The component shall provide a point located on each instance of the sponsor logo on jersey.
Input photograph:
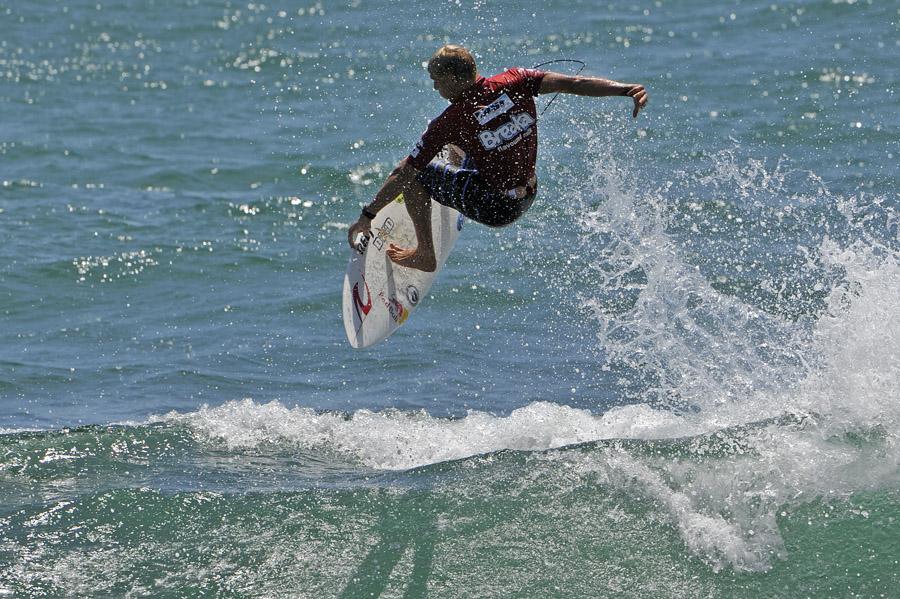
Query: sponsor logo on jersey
(360, 307)
(516, 126)
(494, 109)
(382, 233)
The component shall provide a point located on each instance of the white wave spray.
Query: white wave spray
(699, 345)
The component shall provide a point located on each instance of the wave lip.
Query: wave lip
(395, 440)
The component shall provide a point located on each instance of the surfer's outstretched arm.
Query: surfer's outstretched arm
(595, 87)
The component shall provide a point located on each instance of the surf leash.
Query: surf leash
(578, 72)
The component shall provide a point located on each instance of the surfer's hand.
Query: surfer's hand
(637, 93)
(364, 226)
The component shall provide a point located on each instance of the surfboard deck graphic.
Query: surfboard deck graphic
(379, 296)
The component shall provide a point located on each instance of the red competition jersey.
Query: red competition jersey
(495, 124)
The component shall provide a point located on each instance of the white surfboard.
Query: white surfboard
(379, 295)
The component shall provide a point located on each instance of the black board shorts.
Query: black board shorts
(461, 188)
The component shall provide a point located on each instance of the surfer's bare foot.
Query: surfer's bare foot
(411, 258)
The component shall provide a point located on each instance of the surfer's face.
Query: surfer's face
(448, 86)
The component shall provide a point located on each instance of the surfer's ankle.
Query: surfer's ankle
(429, 264)
(423, 263)
(418, 261)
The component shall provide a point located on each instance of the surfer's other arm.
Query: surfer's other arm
(396, 183)
(418, 204)
(595, 87)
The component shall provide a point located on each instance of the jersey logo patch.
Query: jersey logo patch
(494, 109)
(518, 124)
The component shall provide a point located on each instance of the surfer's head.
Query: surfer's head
(452, 68)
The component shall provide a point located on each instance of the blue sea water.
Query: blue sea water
(677, 376)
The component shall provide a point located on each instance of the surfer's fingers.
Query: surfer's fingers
(640, 97)
(355, 229)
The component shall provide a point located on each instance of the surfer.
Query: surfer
(491, 130)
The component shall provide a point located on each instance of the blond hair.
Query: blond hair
(452, 60)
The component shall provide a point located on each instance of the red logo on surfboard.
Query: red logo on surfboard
(362, 309)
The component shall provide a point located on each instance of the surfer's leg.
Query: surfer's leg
(418, 205)
(455, 155)
(461, 187)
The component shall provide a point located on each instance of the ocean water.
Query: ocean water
(677, 376)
